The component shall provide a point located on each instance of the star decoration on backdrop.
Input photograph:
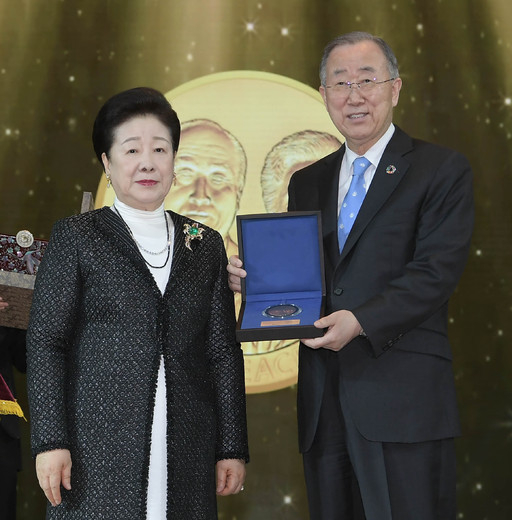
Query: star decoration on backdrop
(250, 27)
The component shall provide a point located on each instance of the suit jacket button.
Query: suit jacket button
(338, 291)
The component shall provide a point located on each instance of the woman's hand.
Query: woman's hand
(53, 469)
(230, 476)
(3, 304)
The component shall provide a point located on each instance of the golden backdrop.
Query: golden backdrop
(231, 111)
(60, 59)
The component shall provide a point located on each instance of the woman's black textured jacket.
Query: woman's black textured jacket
(98, 327)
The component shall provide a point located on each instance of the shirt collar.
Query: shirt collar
(374, 154)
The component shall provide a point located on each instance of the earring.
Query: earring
(108, 181)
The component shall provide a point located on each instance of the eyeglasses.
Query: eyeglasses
(367, 85)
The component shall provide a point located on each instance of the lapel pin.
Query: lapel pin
(391, 169)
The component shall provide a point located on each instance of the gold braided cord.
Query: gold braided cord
(11, 408)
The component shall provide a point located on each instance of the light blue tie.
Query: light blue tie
(352, 201)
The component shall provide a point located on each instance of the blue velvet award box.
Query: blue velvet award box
(284, 291)
(20, 256)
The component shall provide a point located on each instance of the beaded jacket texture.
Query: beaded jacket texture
(98, 327)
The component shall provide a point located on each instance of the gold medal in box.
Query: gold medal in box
(282, 311)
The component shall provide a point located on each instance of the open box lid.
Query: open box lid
(283, 256)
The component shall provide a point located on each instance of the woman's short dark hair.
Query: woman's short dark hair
(140, 101)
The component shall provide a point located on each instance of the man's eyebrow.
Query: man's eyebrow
(366, 68)
(339, 71)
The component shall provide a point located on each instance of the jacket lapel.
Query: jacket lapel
(181, 256)
(116, 233)
(391, 169)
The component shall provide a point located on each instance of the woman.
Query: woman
(135, 378)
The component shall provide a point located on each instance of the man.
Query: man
(376, 399)
(210, 171)
(292, 153)
(12, 353)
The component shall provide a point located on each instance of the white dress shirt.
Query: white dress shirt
(374, 155)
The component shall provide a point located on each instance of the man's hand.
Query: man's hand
(342, 327)
(53, 468)
(3, 304)
(230, 476)
(236, 273)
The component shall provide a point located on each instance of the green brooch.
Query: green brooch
(192, 232)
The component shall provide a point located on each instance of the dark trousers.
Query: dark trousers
(351, 478)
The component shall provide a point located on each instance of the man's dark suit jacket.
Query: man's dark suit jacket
(400, 264)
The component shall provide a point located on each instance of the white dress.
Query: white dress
(149, 230)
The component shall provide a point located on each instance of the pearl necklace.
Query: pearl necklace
(167, 246)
